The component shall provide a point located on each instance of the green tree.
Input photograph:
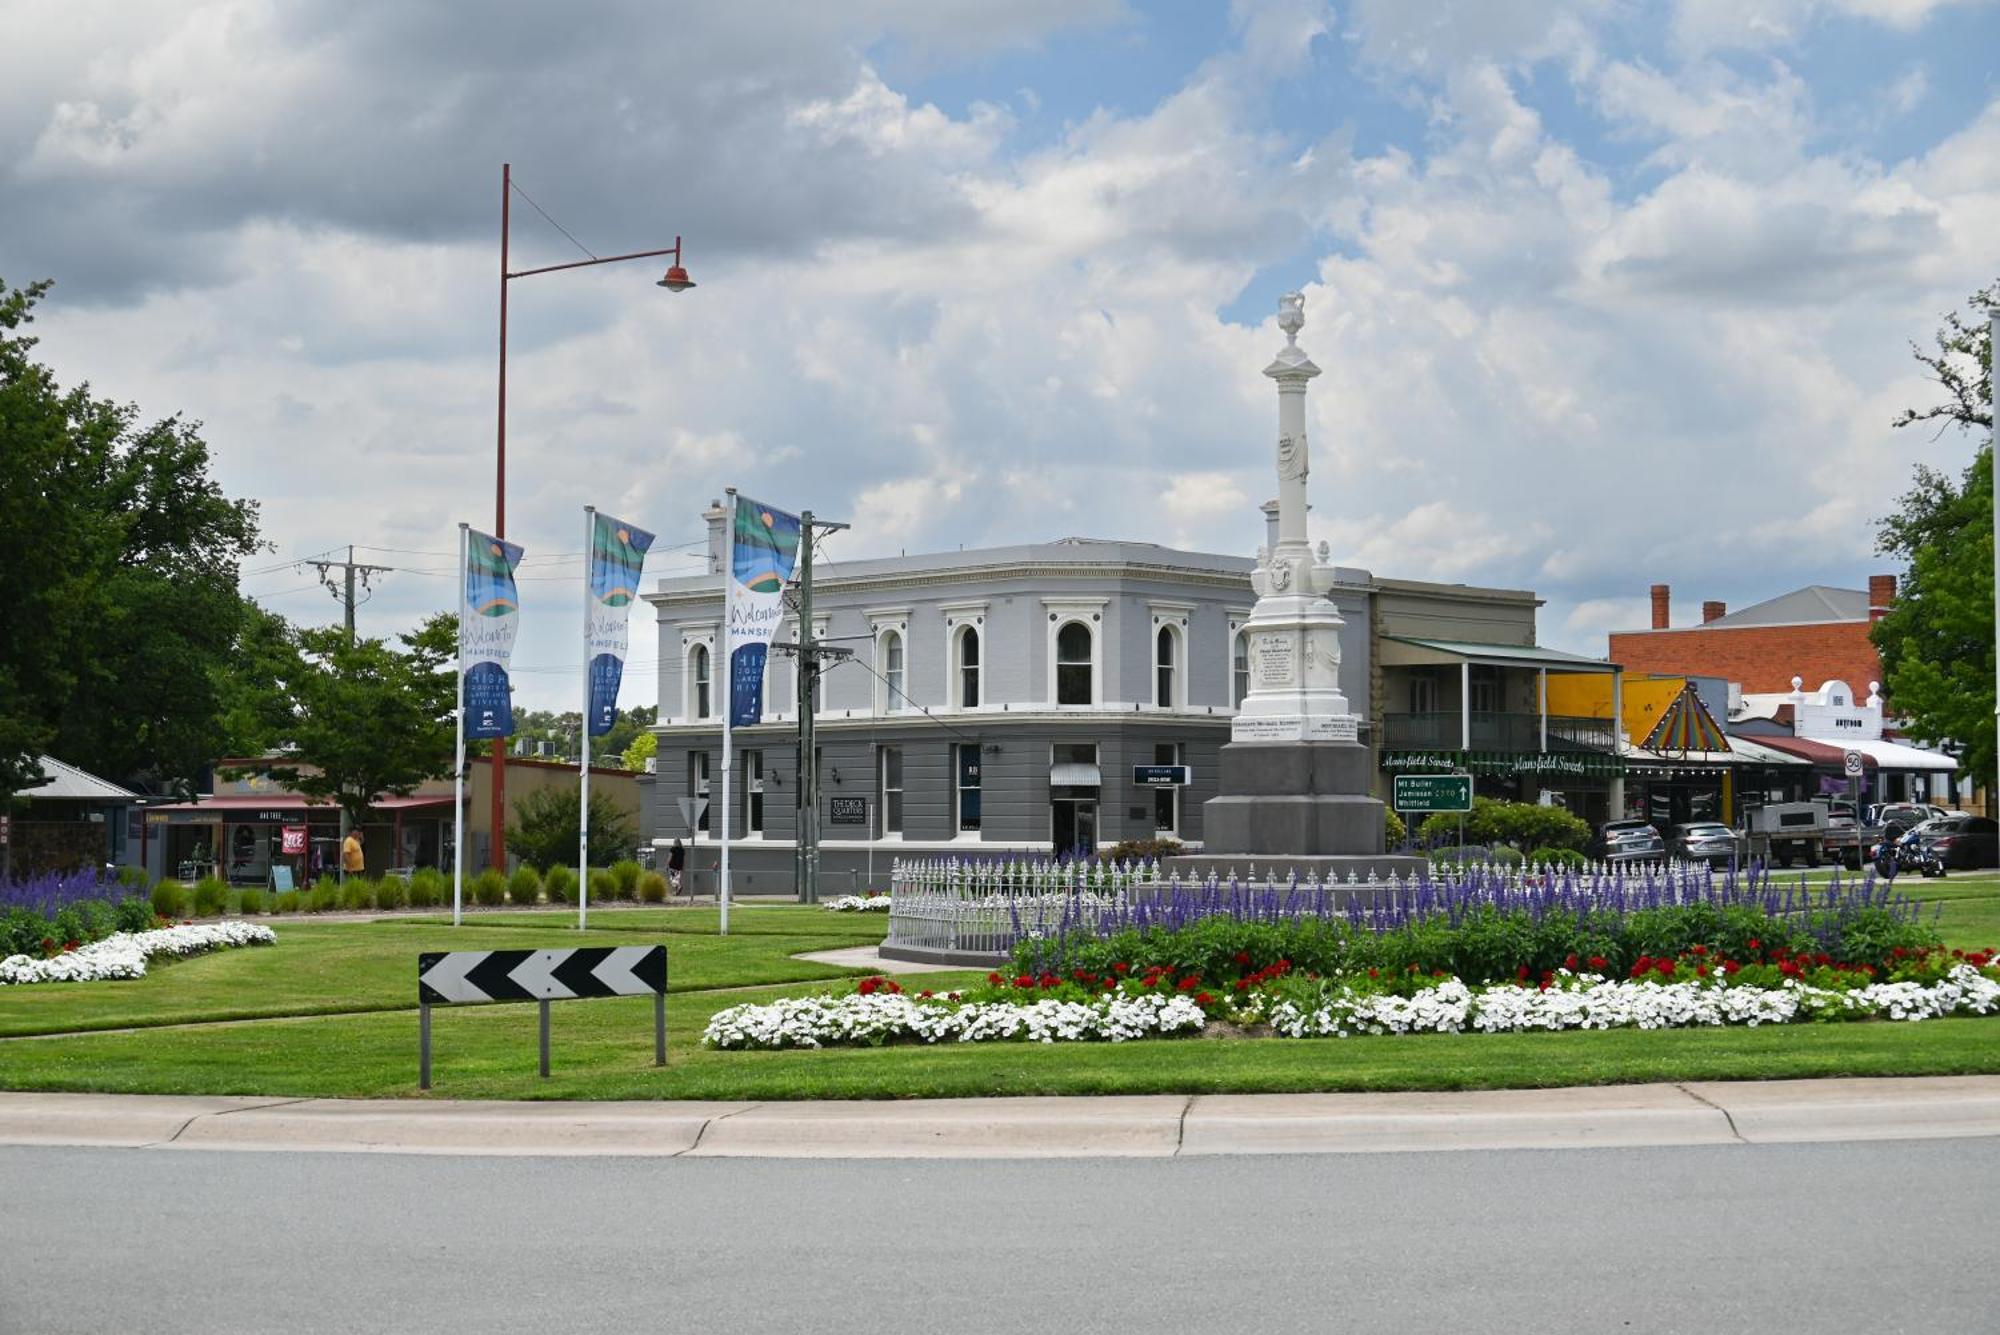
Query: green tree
(120, 557)
(644, 747)
(544, 830)
(626, 729)
(1937, 639)
(369, 719)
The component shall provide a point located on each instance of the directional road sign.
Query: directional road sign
(1433, 792)
(475, 977)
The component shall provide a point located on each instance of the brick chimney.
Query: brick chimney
(715, 517)
(1881, 594)
(1713, 611)
(1662, 599)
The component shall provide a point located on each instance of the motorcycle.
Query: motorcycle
(1908, 852)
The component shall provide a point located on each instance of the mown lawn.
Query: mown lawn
(603, 1049)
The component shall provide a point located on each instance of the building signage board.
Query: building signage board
(292, 841)
(1161, 776)
(1548, 764)
(1293, 728)
(848, 811)
(1433, 792)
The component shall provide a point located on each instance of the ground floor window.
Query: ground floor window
(1167, 801)
(1074, 786)
(698, 786)
(889, 789)
(968, 787)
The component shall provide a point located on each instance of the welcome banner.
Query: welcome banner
(617, 552)
(488, 620)
(763, 549)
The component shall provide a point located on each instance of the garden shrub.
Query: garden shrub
(392, 892)
(489, 888)
(287, 901)
(251, 902)
(626, 873)
(524, 886)
(211, 894)
(1557, 857)
(132, 878)
(134, 913)
(354, 894)
(326, 896)
(170, 900)
(603, 886)
(653, 888)
(1394, 833)
(428, 887)
(1133, 850)
(1521, 824)
(23, 930)
(559, 882)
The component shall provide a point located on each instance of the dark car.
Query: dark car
(1628, 841)
(1964, 841)
(1703, 841)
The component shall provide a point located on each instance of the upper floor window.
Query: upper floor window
(968, 667)
(698, 683)
(1074, 665)
(1423, 693)
(753, 792)
(1239, 668)
(1485, 689)
(1166, 667)
(893, 698)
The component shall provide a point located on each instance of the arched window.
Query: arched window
(1166, 665)
(968, 668)
(894, 700)
(1073, 665)
(1239, 663)
(698, 698)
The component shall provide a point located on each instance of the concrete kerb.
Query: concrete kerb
(1153, 1126)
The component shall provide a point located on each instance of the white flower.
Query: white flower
(124, 954)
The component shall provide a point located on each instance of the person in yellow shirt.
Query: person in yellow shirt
(351, 860)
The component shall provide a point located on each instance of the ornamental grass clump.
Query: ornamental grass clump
(392, 892)
(250, 902)
(325, 896)
(489, 888)
(652, 888)
(626, 872)
(559, 882)
(171, 900)
(210, 894)
(428, 888)
(524, 887)
(603, 886)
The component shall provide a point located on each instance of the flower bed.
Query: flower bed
(870, 903)
(1690, 990)
(124, 954)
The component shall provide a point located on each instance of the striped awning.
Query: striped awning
(1686, 727)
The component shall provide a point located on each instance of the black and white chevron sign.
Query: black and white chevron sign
(463, 977)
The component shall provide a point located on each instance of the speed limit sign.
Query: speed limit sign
(1851, 764)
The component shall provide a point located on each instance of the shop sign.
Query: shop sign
(849, 810)
(1558, 764)
(292, 842)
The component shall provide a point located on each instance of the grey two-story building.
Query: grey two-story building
(999, 699)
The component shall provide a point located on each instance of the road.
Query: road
(1876, 1237)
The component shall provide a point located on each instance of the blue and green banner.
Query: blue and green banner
(763, 549)
(617, 553)
(488, 620)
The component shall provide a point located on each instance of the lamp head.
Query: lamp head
(676, 280)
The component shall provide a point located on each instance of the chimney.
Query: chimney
(1881, 594)
(1662, 598)
(715, 516)
(1713, 611)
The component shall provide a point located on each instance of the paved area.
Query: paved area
(1870, 1237)
(1144, 1126)
(870, 957)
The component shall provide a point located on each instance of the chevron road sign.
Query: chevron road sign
(476, 977)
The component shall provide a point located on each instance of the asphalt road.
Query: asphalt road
(1874, 1237)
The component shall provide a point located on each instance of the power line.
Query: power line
(545, 213)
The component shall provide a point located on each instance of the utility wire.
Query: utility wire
(551, 221)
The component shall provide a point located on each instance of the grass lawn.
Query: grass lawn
(603, 1049)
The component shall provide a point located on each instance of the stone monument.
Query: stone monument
(1294, 779)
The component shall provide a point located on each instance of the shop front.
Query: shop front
(1582, 782)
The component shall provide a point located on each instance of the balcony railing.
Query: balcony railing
(1492, 731)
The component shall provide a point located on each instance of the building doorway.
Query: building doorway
(1074, 817)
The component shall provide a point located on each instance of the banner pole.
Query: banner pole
(583, 786)
(728, 693)
(458, 772)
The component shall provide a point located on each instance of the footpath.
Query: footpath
(1155, 1126)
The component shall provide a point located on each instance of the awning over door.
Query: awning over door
(1071, 774)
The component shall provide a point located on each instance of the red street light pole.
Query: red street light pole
(676, 280)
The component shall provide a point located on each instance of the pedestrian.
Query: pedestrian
(677, 858)
(352, 861)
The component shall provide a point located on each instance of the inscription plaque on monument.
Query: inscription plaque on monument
(1274, 661)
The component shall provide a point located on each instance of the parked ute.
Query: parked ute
(1964, 842)
(1785, 832)
(1703, 841)
(1628, 841)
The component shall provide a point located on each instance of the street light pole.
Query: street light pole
(675, 280)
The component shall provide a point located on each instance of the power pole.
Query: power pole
(343, 591)
(805, 862)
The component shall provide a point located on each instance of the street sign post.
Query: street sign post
(1851, 763)
(1161, 776)
(1433, 792)
(692, 809)
(480, 977)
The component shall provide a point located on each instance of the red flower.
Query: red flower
(1373, 974)
(1754, 944)
(1190, 983)
(1597, 961)
(1243, 957)
(1569, 960)
(1050, 980)
(867, 986)
(993, 978)
(1024, 981)
(1203, 999)
(1121, 967)
(1147, 982)
(893, 985)
(1701, 971)
(1730, 966)
(1522, 973)
(1243, 985)
(925, 993)
(69, 946)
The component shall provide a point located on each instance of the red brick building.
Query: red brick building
(1817, 633)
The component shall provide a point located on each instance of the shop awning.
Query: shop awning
(1073, 774)
(1548, 764)
(1409, 651)
(1899, 755)
(412, 801)
(1686, 728)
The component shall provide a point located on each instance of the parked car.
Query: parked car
(1703, 841)
(1964, 841)
(1628, 841)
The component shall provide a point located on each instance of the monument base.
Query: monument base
(1293, 799)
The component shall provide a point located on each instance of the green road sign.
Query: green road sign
(1433, 792)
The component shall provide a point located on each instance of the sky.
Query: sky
(1605, 293)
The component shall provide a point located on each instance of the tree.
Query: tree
(544, 830)
(1937, 639)
(120, 556)
(371, 720)
(626, 729)
(644, 748)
